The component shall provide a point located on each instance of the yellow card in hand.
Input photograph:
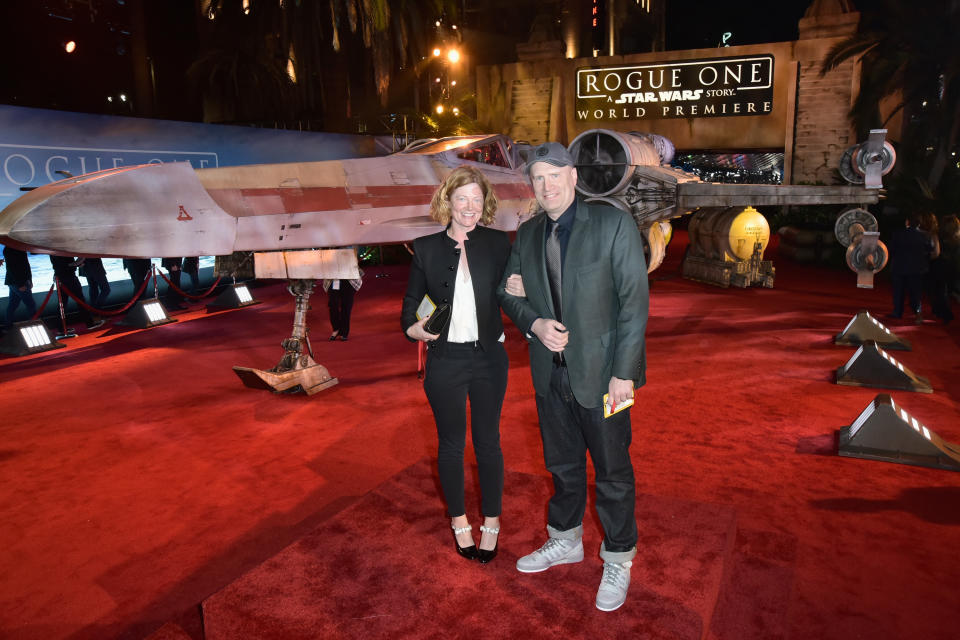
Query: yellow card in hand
(609, 410)
(426, 307)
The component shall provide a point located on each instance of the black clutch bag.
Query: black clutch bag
(438, 320)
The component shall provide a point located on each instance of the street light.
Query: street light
(448, 58)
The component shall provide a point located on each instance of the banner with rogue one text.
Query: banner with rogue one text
(710, 88)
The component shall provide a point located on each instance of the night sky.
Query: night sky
(41, 75)
(694, 24)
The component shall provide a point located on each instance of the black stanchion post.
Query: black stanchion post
(382, 274)
(63, 316)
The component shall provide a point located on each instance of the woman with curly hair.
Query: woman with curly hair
(462, 266)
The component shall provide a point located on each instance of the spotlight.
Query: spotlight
(884, 431)
(146, 314)
(28, 337)
(70, 46)
(233, 297)
(871, 366)
(864, 327)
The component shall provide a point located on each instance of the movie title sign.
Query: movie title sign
(718, 87)
(22, 165)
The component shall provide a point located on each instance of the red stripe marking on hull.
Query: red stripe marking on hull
(338, 198)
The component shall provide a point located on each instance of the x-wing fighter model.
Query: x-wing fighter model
(286, 212)
(172, 209)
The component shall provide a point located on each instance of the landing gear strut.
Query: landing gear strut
(297, 370)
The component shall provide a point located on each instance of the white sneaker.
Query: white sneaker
(613, 585)
(554, 551)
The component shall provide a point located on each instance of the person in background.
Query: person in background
(340, 294)
(950, 250)
(65, 270)
(139, 268)
(19, 279)
(935, 282)
(462, 266)
(174, 298)
(97, 285)
(583, 306)
(191, 267)
(910, 251)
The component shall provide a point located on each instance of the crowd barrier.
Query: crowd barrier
(151, 275)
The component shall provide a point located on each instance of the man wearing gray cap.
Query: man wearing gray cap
(576, 284)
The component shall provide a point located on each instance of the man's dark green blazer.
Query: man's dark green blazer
(605, 300)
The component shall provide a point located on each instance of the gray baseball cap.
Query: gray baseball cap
(550, 152)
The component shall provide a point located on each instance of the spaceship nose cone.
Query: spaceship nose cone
(130, 211)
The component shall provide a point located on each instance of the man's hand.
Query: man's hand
(515, 286)
(552, 334)
(417, 332)
(620, 390)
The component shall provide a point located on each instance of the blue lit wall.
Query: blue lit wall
(36, 143)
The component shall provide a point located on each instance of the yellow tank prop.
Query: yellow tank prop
(726, 248)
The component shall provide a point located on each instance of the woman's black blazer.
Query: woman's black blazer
(434, 271)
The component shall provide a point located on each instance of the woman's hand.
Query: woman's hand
(515, 286)
(417, 332)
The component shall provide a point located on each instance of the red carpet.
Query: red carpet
(347, 580)
(139, 479)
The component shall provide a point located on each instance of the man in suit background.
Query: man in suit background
(586, 337)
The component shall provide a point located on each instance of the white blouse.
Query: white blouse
(463, 315)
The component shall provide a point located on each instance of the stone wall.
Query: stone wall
(823, 128)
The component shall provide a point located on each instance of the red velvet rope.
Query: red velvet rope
(44, 303)
(187, 295)
(82, 303)
(126, 307)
